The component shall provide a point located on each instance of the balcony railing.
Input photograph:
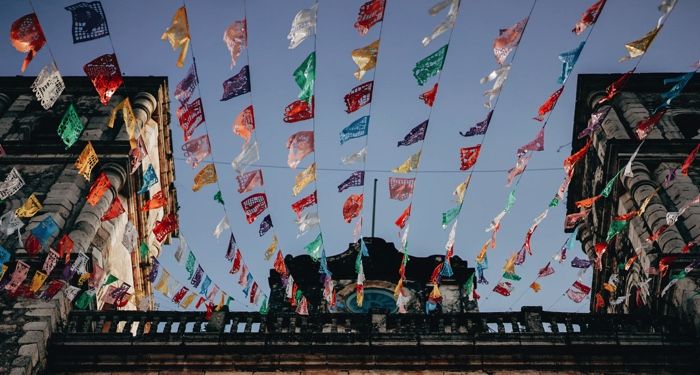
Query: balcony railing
(529, 320)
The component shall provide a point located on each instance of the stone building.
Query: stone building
(633, 273)
(381, 275)
(33, 147)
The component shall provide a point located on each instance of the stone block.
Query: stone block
(31, 351)
(37, 326)
(50, 315)
(18, 371)
(7, 328)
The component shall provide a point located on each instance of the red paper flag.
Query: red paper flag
(578, 291)
(575, 157)
(105, 76)
(352, 207)
(588, 202)
(358, 97)
(428, 97)
(546, 270)
(190, 116)
(401, 188)
(253, 292)
(98, 189)
(599, 302)
(370, 14)
(157, 201)
(249, 180)
(27, 36)
(644, 127)
(573, 219)
(115, 209)
(589, 17)
(244, 124)
(65, 247)
(536, 144)
(687, 247)
(253, 206)
(165, 226)
(303, 203)
(177, 298)
(401, 221)
(615, 87)
(549, 104)
(468, 156)
(689, 160)
(280, 267)
(299, 110)
(32, 245)
(503, 288)
(626, 217)
(237, 260)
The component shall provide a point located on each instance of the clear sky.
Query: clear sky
(136, 27)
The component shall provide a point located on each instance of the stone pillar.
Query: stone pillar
(88, 221)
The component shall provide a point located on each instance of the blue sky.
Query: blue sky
(136, 27)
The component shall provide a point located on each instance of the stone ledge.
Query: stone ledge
(31, 351)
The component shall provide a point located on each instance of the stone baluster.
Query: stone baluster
(88, 222)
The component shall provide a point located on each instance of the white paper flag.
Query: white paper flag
(499, 77)
(221, 227)
(303, 26)
(353, 158)
(447, 23)
(48, 86)
(249, 155)
(307, 221)
(13, 182)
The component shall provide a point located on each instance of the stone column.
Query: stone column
(88, 221)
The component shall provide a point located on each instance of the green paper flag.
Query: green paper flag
(554, 202)
(314, 248)
(430, 65)
(110, 279)
(358, 262)
(305, 75)
(263, 307)
(615, 228)
(143, 250)
(218, 197)
(609, 186)
(511, 276)
(189, 265)
(511, 199)
(298, 296)
(83, 301)
(450, 215)
(70, 127)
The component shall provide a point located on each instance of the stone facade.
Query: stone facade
(664, 150)
(381, 274)
(28, 134)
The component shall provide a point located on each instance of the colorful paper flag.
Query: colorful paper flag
(499, 77)
(352, 207)
(578, 291)
(507, 40)
(355, 157)
(186, 87)
(503, 288)
(29, 208)
(305, 76)
(313, 249)
(105, 76)
(149, 179)
(89, 21)
(589, 17)
(249, 180)
(616, 86)
(416, 134)
(244, 124)
(365, 58)
(536, 144)
(303, 203)
(299, 110)
(357, 129)
(265, 225)
(178, 34)
(196, 150)
(299, 144)
(409, 165)
(358, 97)
(401, 188)
(48, 86)
(303, 26)
(549, 104)
(371, 13)
(430, 66)
(447, 23)
(480, 128)
(638, 47)
(428, 97)
(190, 116)
(249, 155)
(86, 161)
(356, 179)
(568, 60)
(253, 206)
(165, 226)
(237, 85)
(304, 178)
(205, 176)
(403, 218)
(27, 37)
(236, 38)
(468, 156)
(115, 209)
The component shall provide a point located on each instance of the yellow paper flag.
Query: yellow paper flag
(482, 253)
(509, 267)
(647, 200)
(178, 34)
(37, 281)
(188, 300)
(30, 207)
(129, 119)
(271, 249)
(304, 178)
(86, 161)
(640, 46)
(205, 176)
(162, 285)
(410, 164)
(365, 58)
(461, 189)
